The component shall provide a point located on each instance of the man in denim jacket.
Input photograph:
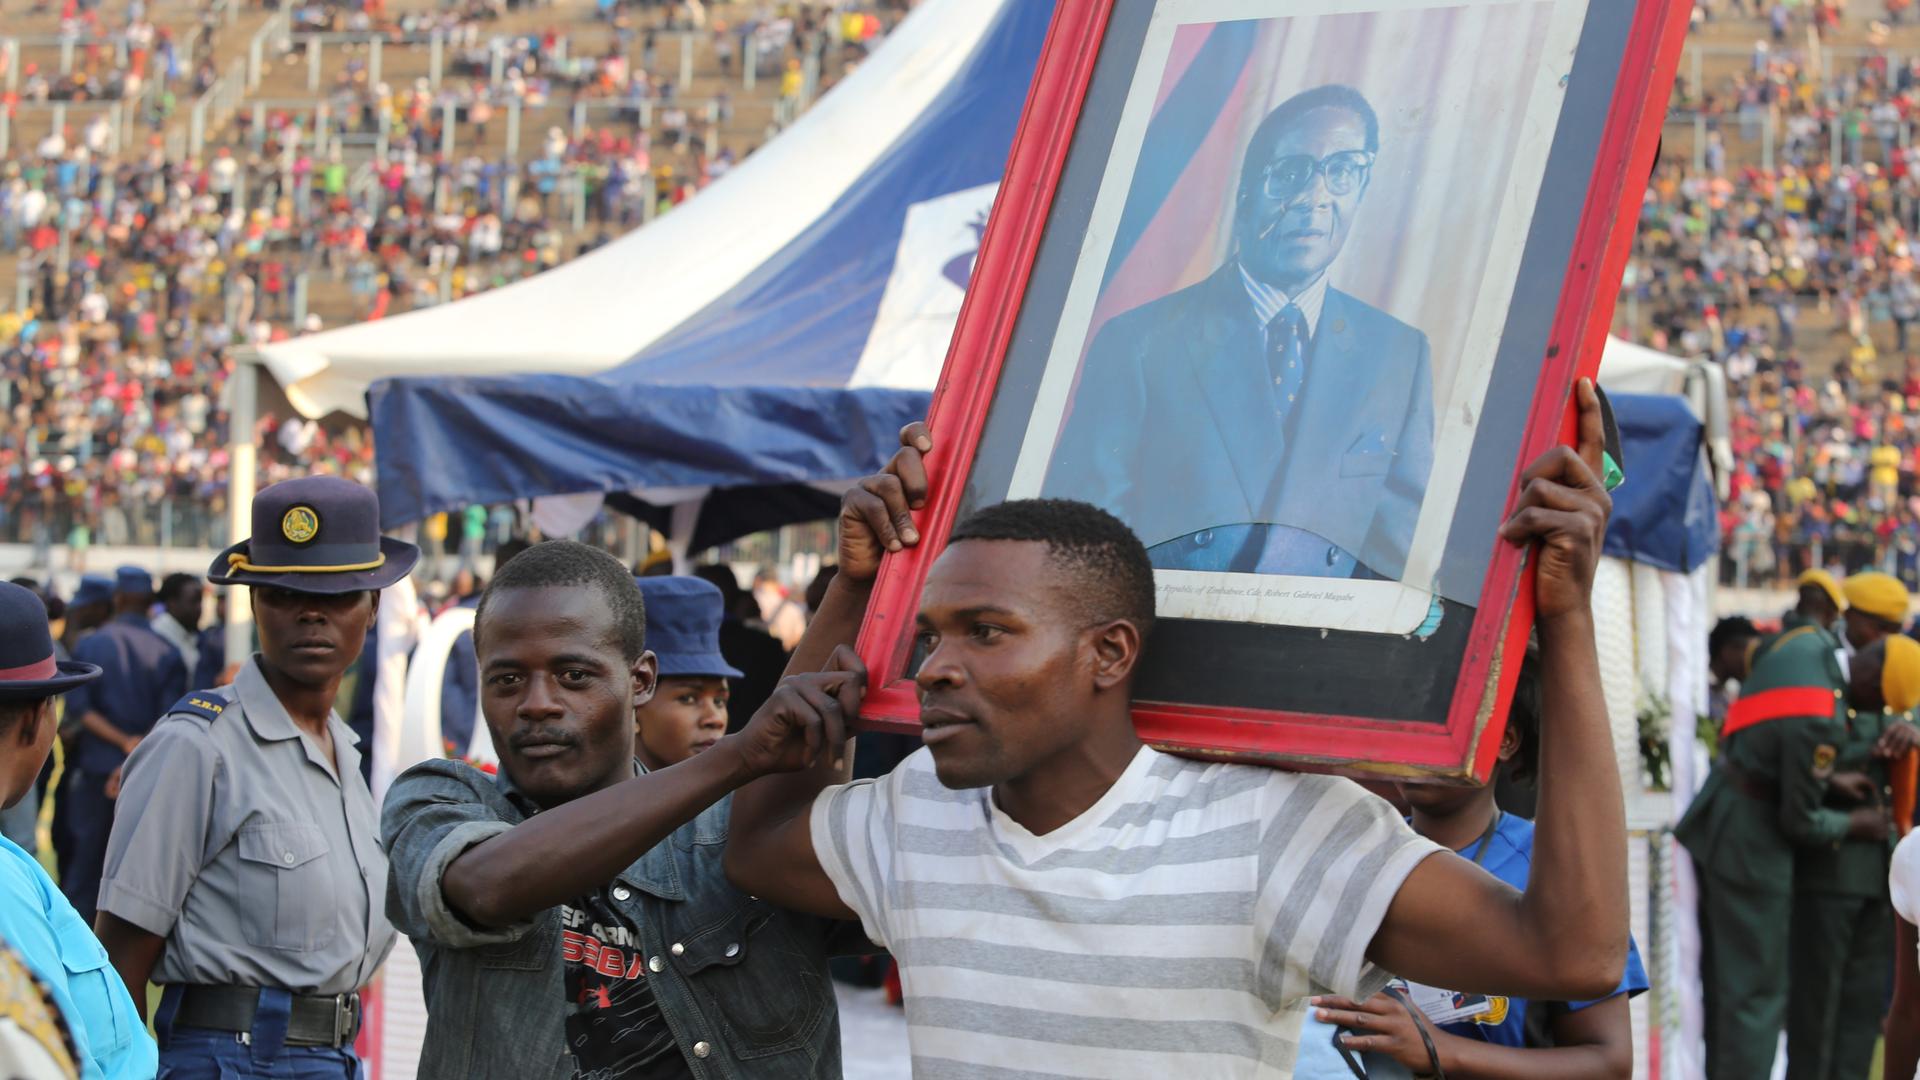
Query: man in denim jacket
(571, 915)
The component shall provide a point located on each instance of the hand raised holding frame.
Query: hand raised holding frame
(1294, 294)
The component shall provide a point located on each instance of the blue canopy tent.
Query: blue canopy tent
(757, 408)
(1665, 515)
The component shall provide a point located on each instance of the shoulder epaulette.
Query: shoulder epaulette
(1782, 638)
(204, 704)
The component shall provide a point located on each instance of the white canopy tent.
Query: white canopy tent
(602, 309)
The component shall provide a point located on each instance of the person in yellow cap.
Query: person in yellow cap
(1877, 605)
(1821, 601)
(1842, 912)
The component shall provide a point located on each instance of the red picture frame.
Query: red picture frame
(1465, 745)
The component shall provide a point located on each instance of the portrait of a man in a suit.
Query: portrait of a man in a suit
(1262, 420)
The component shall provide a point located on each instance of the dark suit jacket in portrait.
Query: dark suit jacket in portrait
(1173, 428)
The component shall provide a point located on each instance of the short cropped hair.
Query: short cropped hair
(16, 710)
(1112, 572)
(1729, 630)
(1523, 718)
(562, 563)
(174, 583)
(505, 553)
(1331, 96)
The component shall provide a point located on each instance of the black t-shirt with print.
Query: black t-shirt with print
(614, 1026)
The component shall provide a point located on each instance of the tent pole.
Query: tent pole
(243, 397)
(680, 533)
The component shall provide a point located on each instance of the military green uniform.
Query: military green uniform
(1761, 804)
(1842, 932)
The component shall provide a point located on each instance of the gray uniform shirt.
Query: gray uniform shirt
(253, 855)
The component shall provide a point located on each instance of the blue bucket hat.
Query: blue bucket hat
(316, 534)
(683, 626)
(28, 668)
(94, 589)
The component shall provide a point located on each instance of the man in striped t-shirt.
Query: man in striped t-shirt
(1066, 902)
(1176, 927)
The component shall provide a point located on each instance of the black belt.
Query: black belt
(331, 1020)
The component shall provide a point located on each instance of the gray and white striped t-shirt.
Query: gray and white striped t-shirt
(1175, 929)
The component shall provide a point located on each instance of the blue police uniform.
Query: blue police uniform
(93, 589)
(251, 851)
(213, 656)
(460, 691)
(360, 710)
(142, 676)
(1506, 853)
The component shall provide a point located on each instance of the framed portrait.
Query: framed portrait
(1295, 288)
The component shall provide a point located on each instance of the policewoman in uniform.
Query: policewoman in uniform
(1763, 802)
(1842, 910)
(37, 921)
(140, 675)
(244, 873)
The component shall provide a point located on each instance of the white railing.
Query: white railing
(211, 110)
(275, 30)
(316, 42)
(26, 123)
(331, 130)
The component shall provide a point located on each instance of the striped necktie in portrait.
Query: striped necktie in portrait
(1286, 362)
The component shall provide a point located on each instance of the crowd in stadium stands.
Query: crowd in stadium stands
(139, 273)
(114, 56)
(1784, 17)
(1783, 273)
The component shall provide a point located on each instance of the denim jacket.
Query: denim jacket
(743, 984)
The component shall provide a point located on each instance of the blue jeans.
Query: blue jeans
(199, 1054)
